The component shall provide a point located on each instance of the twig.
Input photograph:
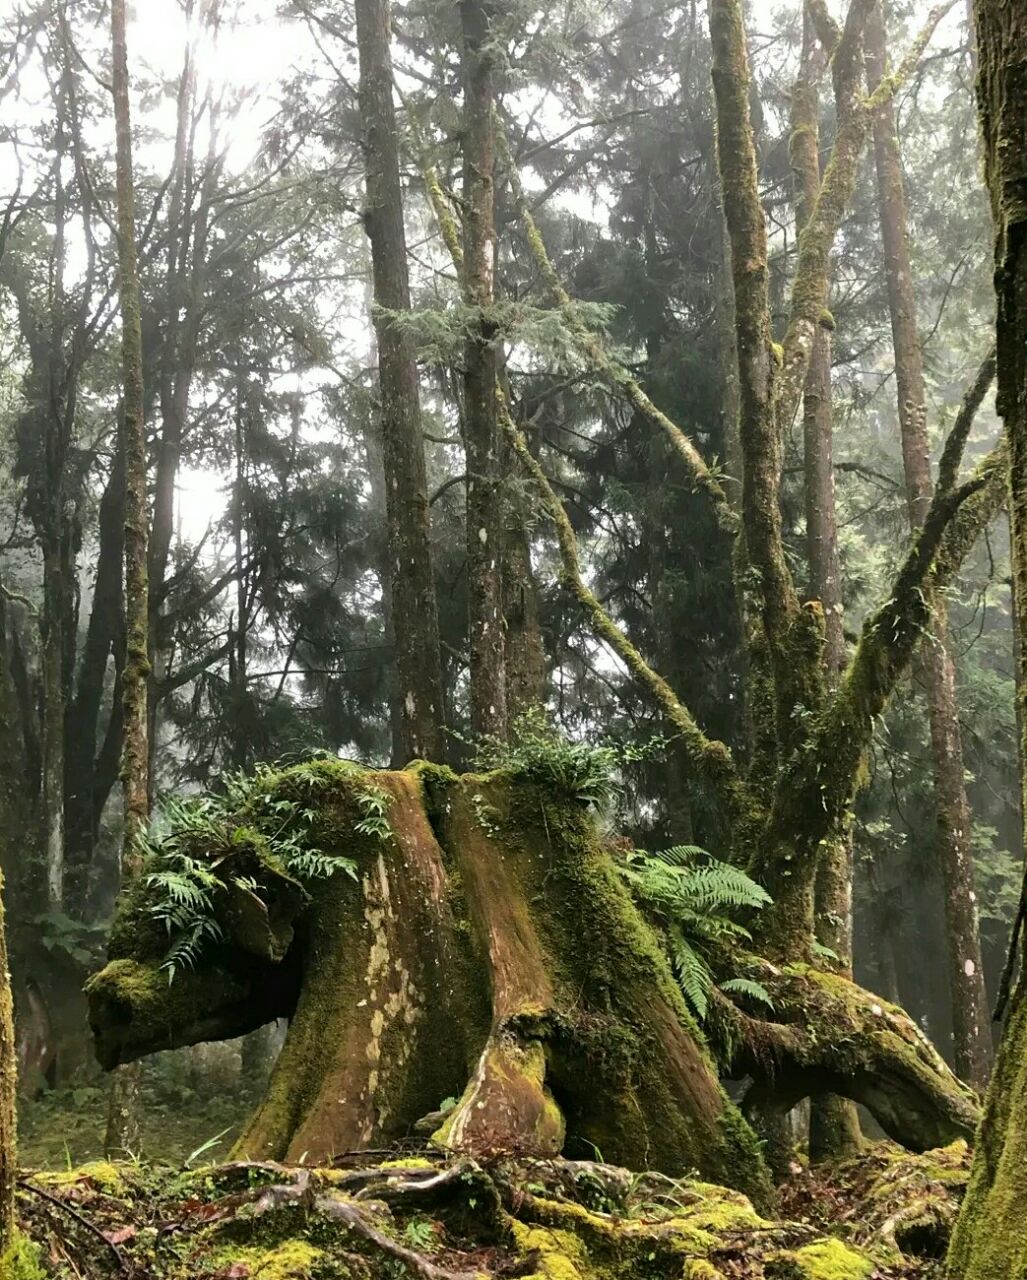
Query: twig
(79, 1218)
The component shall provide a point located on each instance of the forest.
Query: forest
(513, 569)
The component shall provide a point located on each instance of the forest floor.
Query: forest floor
(401, 1213)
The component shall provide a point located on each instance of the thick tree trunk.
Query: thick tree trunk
(409, 556)
(480, 421)
(990, 1241)
(971, 1036)
(123, 1118)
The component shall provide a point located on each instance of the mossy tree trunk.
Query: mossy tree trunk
(971, 1036)
(834, 1125)
(414, 612)
(487, 974)
(8, 1080)
(990, 1241)
(488, 953)
(123, 1114)
(484, 511)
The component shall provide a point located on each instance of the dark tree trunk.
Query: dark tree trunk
(970, 1020)
(990, 1240)
(8, 1082)
(123, 1115)
(480, 421)
(414, 612)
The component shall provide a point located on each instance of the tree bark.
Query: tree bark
(122, 1121)
(8, 1081)
(480, 421)
(990, 1240)
(971, 1035)
(834, 1125)
(414, 610)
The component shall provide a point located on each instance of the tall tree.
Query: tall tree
(990, 1240)
(414, 612)
(834, 1125)
(135, 761)
(970, 1015)
(481, 365)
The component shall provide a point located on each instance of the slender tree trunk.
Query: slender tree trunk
(414, 608)
(990, 1240)
(834, 1124)
(8, 1081)
(52, 718)
(970, 1016)
(481, 430)
(123, 1118)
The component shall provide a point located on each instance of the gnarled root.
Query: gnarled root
(827, 1035)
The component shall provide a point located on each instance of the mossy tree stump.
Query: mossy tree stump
(486, 952)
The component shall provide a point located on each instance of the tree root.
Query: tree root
(828, 1035)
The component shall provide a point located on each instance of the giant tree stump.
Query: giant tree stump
(487, 952)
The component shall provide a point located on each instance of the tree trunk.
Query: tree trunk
(8, 1081)
(834, 1124)
(409, 556)
(123, 1119)
(481, 431)
(990, 1240)
(970, 1021)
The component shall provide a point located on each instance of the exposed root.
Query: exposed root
(828, 1035)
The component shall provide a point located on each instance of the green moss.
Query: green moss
(560, 1253)
(21, 1260)
(102, 1174)
(823, 1260)
(290, 1260)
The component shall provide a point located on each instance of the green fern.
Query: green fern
(695, 898)
(192, 843)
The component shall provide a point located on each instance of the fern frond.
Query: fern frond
(749, 988)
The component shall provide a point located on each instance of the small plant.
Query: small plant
(537, 750)
(695, 897)
(420, 1234)
(374, 804)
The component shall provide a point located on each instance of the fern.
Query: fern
(191, 843)
(696, 899)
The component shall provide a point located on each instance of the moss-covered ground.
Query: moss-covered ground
(381, 1216)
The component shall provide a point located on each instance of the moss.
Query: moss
(408, 1162)
(822, 1260)
(102, 1174)
(560, 1254)
(289, 1260)
(22, 1260)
